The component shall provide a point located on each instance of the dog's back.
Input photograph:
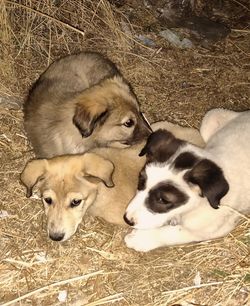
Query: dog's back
(231, 148)
(68, 76)
(49, 106)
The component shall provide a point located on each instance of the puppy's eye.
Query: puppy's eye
(48, 200)
(162, 200)
(75, 202)
(129, 123)
(167, 204)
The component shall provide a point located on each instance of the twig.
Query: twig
(197, 287)
(246, 54)
(47, 16)
(108, 299)
(242, 5)
(60, 283)
(241, 31)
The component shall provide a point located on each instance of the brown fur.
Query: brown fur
(81, 102)
(101, 201)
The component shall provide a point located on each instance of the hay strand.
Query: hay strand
(46, 16)
(56, 284)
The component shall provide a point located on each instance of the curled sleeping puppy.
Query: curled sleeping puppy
(101, 182)
(81, 102)
(190, 194)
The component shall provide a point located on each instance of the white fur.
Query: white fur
(229, 147)
(214, 120)
(144, 218)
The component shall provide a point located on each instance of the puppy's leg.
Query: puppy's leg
(214, 120)
(146, 240)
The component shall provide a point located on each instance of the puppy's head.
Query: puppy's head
(174, 180)
(68, 186)
(108, 113)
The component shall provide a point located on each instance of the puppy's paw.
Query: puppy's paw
(140, 240)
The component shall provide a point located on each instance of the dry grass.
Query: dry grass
(95, 267)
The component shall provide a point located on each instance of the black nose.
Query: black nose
(129, 222)
(56, 236)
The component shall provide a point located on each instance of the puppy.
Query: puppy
(71, 185)
(67, 186)
(81, 102)
(111, 203)
(189, 194)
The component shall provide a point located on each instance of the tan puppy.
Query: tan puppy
(70, 185)
(81, 102)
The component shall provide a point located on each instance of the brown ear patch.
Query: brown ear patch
(88, 113)
(209, 177)
(160, 146)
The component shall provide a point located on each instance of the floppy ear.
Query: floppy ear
(209, 177)
(160, 146)
(89, 112)
(98, 167)
(32, 173)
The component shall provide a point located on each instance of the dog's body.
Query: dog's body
(81, 102)
(87, 178)
(188, 194)
(111, 203)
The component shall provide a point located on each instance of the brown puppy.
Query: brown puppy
(81, 102)
(70, 185)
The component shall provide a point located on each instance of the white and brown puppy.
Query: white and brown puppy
(71, 185)
(188, 194)
(81, 102)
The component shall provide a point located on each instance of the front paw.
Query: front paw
(140, 241)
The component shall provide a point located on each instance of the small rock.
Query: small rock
(174, 39)
(10, 102)
(62, 296)
(145, 40)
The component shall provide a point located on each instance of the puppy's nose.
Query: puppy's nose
(129, 222)
(56, 236)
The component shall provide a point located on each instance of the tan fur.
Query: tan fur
(64, 179)
(81, 102)
(104, 202)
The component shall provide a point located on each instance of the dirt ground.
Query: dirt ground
(179, 85)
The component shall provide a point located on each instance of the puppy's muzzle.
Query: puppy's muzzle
(128, 221)
(57, 236)
(142, 131)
